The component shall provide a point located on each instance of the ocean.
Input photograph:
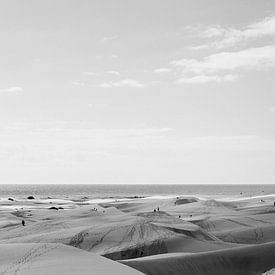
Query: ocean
(94, 191)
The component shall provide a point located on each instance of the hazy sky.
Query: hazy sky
(137, 91)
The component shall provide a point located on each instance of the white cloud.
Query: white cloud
(128, 83)
(218, 67)
(228, 37)
(252, 58)
(199, 79)
(57, 144)
(113, 72)
(115, 56)
(214, 31)
(199, 47)
(14, 89)
(105, 85)
(132, 83)
(162, 70)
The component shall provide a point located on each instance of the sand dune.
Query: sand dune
(270, 272)
(201, 231)
(28, 259)
(244, 260)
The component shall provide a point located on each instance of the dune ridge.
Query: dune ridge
(248, 260)
(153, 235)
(45, 259)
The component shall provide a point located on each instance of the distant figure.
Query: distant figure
(23, 222)
(158, 208)
(30, 198)
(154, 210)
(191, 215)
(179, 216)
(141, 253)
(274, 203)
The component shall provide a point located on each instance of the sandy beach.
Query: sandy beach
(152, 235)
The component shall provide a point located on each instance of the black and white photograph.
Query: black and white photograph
(137, 137)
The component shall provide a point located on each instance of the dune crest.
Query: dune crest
(154, 235)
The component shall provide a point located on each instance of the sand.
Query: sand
(188, 235)
(270, 272)
(55, 259)
(244, 260)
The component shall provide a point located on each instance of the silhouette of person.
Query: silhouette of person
(23, 222)
(158, 208)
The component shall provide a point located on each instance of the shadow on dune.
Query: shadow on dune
(248, 260)
(153, 248)
(181, 201)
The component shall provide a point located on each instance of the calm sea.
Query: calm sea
(124, 190)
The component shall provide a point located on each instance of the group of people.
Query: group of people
(155, 210)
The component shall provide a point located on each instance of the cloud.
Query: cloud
(113, 72)
(128, 83)
(252, 58)
(14, 89)
(200, 79)
(199, 47)
(228, 37)
(132, 83)
(28, 144)
(162, 70)
(78, 83)
(214, 31)
(105, 85)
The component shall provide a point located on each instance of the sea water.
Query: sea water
(131, 190)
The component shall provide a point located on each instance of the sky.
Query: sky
(147, 91)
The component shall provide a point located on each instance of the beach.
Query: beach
(137, 235)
